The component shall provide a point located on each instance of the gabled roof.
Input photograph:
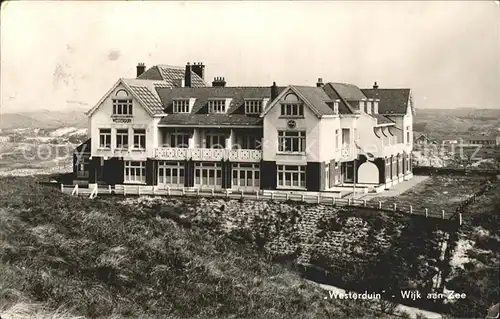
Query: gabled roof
(315, 98)
(171, 75)
(85, 147)
(392, 101)
(144, 91)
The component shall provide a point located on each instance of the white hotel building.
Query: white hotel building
(168, 128)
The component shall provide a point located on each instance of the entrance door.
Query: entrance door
(347, 172)
(208, 175)
(171, 175)
(246, 177)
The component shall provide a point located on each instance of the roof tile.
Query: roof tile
(392, 101)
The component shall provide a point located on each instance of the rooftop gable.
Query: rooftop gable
(315, 98)
(142, 90)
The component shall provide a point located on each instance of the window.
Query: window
(179, 139)
(105, 138)
(253, 106)
(362, 105)
(140, 139)
(291, 141)
(122, 138)
(292, 109)
(336, 107)
(407, 134)
(171, 173)
(122, 106)
(217, 106)
(135, 172)
(181, 106)
(249, 142)
(246, 175)
(215, 140)
(208, 175)
(291, 176)
(369, 107)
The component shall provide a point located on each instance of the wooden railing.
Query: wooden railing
(129, 190)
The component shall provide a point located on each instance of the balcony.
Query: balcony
(126, 153)
(208, 154)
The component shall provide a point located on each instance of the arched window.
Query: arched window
(122, 103)
(291, 106)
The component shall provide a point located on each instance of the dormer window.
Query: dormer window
(336, 107)
(217, 106)
(253, 106)
(362, 105)
(122, 103)
(181, 106)
(369, 106)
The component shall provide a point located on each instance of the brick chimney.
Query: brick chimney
(219, 82)
(375, 85)
(199, 69)
(274, 91)
(320, 83)
(140, 69)
(187, 76)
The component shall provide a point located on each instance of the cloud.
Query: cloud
(114, 54)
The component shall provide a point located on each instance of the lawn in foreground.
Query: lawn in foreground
(100, 259)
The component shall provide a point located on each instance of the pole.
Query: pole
(354, 180)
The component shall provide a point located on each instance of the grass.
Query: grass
(479, 275)
(65, 257)
(436, 193)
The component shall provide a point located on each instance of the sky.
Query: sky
(63, 55)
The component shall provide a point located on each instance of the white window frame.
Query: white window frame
(139, 134)
(208, 168)
(134, 172)
(121, 138)
(250, 174)
(292, 109)
(211, 136)
(122, 107)
(181, 106)
(180, 136)
(253, 106)
(217, 106)
(286, 141)
(296, 173)
(106, 134)
(336, 107)
(177, 174)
